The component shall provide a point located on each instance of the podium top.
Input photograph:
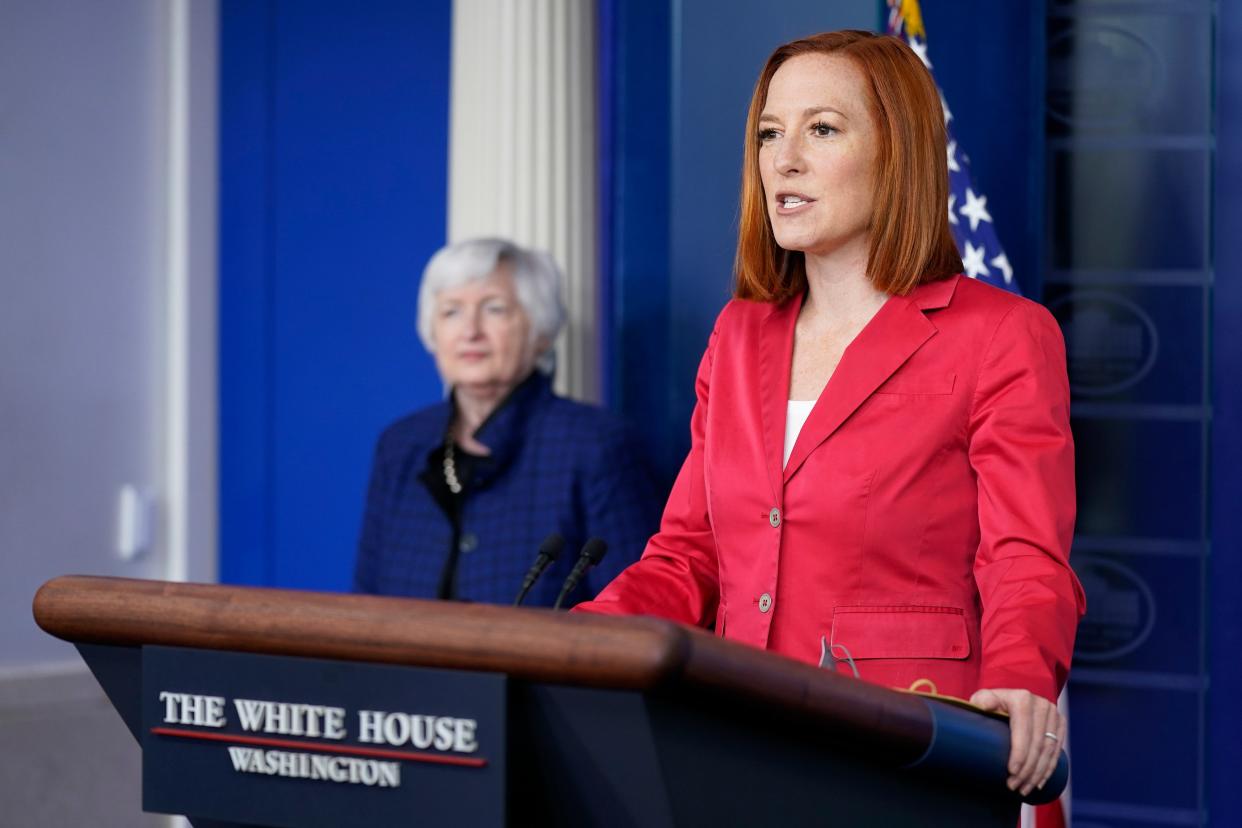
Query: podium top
(646, 655)
(536, 645)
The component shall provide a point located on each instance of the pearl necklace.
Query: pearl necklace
(450, 467)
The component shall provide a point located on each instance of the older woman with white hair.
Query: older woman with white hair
(462, 493)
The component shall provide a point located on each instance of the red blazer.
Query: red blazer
(922, 525)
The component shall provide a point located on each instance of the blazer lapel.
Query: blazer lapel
(889, 339)
(776, 338)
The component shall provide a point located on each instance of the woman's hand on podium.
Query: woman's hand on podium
(1036, 732)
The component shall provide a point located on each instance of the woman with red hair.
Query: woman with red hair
(881, 471)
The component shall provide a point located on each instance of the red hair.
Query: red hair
(910, 242)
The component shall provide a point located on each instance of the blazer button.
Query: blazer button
(469, 542)
(774, 517)
(765, 602)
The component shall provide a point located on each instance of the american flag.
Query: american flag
(983, 258)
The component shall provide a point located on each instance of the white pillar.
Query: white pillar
(522, 149)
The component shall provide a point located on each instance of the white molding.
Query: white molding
(191, 399)
(522, 159)
(176, 311)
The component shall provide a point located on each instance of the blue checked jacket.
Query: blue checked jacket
(556, 466)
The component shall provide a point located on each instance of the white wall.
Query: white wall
(107, 354)
(81, 159)
(99, 265)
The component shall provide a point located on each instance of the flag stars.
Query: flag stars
(1001, 263)
(905, 23)
(972, 260)
(920, 49)
(975, 209)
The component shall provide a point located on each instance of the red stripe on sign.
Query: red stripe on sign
(379, 753)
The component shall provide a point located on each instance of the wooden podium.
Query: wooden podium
(561, 719)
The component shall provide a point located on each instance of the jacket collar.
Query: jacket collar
(935, 295)
(504, 429)
(898, 330)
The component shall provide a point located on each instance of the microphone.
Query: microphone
(549, 551)
(591, 554)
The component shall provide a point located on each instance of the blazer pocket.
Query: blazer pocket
(919, 385)
(901, 631)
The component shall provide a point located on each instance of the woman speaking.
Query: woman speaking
(881, 474)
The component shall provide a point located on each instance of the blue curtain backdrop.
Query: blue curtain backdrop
(333, 181)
